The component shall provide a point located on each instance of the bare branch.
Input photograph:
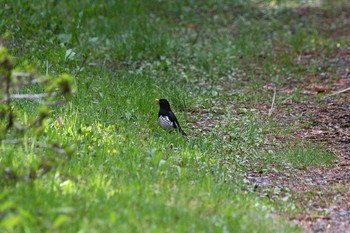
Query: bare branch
(33, 96)
(21, 74)
(30, 96)
(33, 81)
(28, 78)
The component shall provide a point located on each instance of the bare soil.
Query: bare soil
(323, 192)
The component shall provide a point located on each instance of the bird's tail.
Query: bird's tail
(182, 132)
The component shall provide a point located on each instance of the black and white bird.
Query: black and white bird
(166, 118)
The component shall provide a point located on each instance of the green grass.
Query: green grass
(124, 174)
(306, 156)
(300, 155)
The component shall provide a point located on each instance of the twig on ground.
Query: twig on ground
(273, 102)
(339, 92)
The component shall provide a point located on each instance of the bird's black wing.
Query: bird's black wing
(173, 118)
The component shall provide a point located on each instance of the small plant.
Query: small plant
(16, 87)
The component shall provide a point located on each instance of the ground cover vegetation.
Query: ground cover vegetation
(250, 82)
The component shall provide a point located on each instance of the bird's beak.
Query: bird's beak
(157, 100)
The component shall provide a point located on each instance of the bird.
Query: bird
(166, 118)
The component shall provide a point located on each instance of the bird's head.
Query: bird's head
(163, 103)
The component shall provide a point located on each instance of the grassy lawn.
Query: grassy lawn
(212, 60)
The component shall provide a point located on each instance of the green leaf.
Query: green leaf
(10, 222)
(60, 220)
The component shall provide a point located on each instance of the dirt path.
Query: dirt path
(323, 192)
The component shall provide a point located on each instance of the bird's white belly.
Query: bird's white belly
(165, 123)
